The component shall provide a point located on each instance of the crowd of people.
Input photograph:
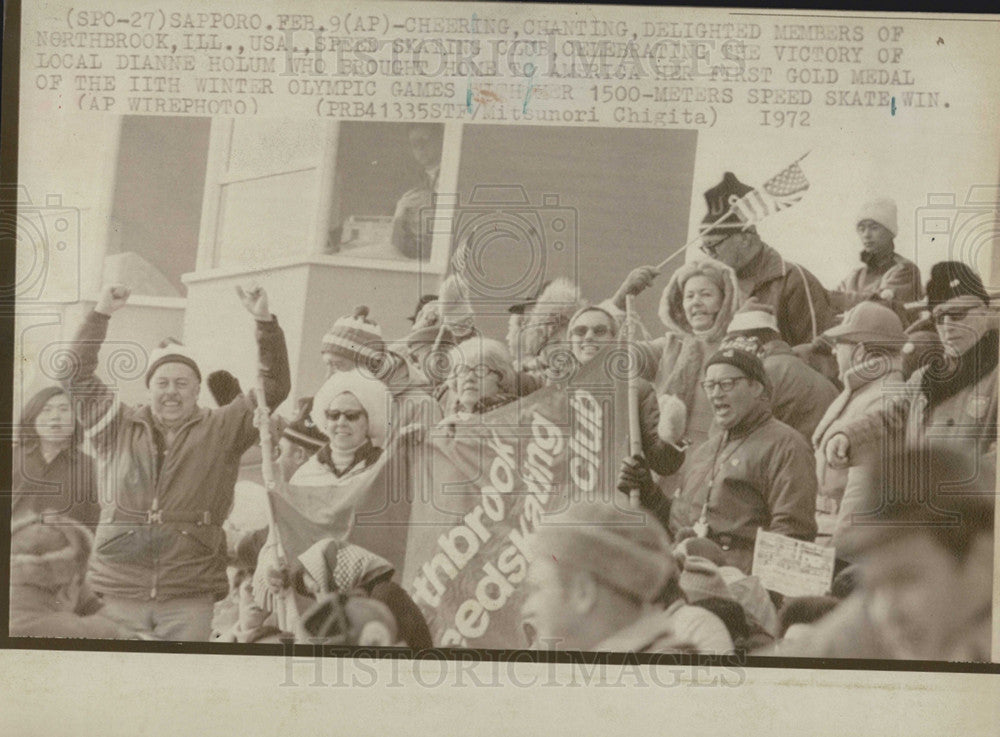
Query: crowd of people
(861, 418)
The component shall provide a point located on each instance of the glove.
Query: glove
(635, 474)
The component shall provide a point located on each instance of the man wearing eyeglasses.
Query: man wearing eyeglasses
(801, 304)
(952, 405)
(752, 472)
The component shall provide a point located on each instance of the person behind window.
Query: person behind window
(411, 222)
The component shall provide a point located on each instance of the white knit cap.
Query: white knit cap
(753, 320)
(882, 211)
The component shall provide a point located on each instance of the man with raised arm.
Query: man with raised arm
(166, 473)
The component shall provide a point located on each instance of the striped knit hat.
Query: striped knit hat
(355, 337)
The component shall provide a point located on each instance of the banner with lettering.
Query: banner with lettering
(482, 487)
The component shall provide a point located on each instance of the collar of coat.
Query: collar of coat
(970, 368)
(768, 265)
(753, 420)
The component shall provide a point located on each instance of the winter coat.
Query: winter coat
(680, 628)
(764, 476)
(160, 534)
(902, 276)
(959, 411)
(801, 304)
(800, 395)
(675, 363)
(67, 484)
(863, 396)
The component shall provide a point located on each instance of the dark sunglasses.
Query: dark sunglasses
(350, 415)
(599, 331)
(956, 314)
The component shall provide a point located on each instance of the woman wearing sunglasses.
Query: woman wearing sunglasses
(590, 330)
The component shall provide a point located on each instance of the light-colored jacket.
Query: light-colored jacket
(863, 395)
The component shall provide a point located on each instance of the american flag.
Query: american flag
(777, 193)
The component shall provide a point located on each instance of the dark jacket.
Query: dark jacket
(179, 550)
(765, 478)
(66, 484)
(898, 274)
(801, 304)
(800, 395)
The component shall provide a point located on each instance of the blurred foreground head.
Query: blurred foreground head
(924, 541)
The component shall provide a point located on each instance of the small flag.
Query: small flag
(776, 194)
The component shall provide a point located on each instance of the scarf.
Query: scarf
(968, 369)
(366, 454)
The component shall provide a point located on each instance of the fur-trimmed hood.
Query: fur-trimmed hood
(547, 319)
(672, 300)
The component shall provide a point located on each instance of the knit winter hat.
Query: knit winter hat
(370, 392)
(302, 430)
(632, 556)
(701, 579)
(170, 350)
(869, 322)
(753, 315)
(356, 338)
(950, 279)
(882, 211)
(336, 565)
(748, 363)
(719, 199)
(48, 553)
(338, 619)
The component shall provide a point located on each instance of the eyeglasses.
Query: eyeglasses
(711, 249)
(725, 384)
(351, 415)
(599, 331)
(481, 371)
(955, 314)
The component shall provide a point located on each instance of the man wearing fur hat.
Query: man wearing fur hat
(599, 581)
(883, 272)
(754, 471)
(167, 474)
(954, 405)
(800, 302)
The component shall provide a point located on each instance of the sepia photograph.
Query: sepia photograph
(548, 340)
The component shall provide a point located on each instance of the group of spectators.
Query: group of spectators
(862, 418)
